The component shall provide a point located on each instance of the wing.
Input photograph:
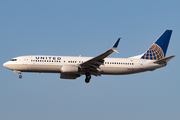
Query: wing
(99, 60)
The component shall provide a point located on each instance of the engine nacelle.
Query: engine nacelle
(69, 76)
(69, 69)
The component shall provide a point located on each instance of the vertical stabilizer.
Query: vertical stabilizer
(158, 50)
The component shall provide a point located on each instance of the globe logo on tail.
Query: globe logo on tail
(154, 53)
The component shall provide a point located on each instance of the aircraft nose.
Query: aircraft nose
(5, 64)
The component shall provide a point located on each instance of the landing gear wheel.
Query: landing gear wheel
(20, 76)
(88, 77)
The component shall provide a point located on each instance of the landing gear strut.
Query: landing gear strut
(88, 77)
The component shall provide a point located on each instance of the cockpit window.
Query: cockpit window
(13, 59)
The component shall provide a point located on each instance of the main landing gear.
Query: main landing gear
(88, 77)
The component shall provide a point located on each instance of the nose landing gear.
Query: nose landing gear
(19, 72)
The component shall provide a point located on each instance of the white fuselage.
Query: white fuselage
(71, 67)
(53, 64)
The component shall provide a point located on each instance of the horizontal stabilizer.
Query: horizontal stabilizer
(164, 60)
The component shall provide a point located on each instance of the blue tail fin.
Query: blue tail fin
(158, 50)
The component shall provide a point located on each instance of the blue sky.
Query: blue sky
(88, 28)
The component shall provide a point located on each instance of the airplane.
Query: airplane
(71, 67)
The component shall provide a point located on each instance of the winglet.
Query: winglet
(116, 45)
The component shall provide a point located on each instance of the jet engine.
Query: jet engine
(69, 69)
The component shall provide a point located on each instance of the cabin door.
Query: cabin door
(141, 64)
(24, 60)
